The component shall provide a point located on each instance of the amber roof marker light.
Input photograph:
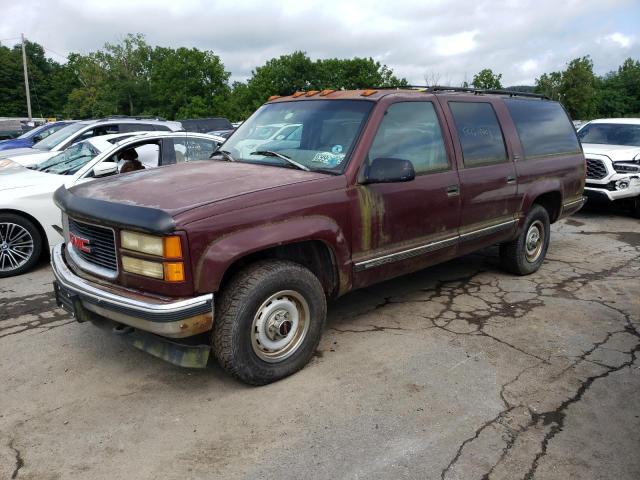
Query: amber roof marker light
(326, 92)
(298, 94)
(368, 93)
(273, 97)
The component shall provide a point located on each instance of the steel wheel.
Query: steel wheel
(280, 326)
(16, 246)
(534, 241)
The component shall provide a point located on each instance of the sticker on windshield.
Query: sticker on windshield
(329, 159)
(336, 149)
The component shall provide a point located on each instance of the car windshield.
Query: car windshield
(317, 134)
(69, 161)
(610, 134)
(60, 136)
(34, 131)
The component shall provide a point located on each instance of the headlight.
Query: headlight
(143, 267)
(625, 167)
(167, 247)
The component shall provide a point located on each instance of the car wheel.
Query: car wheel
(268, 321)
(525, 254)
(20, 245)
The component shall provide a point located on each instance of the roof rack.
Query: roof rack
(132, 117)
(475, 91)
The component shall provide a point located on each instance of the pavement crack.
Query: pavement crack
(19, 459)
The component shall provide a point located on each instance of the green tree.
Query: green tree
(486, 79)
(549, 84)
(577, 88)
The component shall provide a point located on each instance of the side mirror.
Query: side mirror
(37, 138)
(388, 170)
(105, 168)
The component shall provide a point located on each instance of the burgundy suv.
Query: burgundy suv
(240, 256)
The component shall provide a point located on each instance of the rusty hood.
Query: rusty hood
(178, 188)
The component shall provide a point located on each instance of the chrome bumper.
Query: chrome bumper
(172, 318)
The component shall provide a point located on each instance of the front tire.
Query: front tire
(268, 322)
(635, 207)
(20, 245)
(525, 254)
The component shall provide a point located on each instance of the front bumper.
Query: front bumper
(166, 317)
(606, 189)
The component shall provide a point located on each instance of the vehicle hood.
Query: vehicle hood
(617, 153)
(15, 144)
(179, 188)
(12, 178)
(14, 152)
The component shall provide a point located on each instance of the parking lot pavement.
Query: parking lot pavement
(460, 371)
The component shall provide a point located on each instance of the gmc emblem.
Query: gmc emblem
(79, 243)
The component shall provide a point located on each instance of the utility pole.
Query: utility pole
(26, 79)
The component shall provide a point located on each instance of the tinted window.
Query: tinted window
(136, 127)
(411, 131)
(60, 136)
(479, 132)
(610, 134)
(543, 127)
(161, 128)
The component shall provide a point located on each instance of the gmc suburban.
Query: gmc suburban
(239, 256)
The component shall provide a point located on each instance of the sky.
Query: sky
(444, 41)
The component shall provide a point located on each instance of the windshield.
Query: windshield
(69, 161)
(318, 134)
(60, 136)
(610, 134)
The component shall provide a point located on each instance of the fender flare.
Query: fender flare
(537, 188)
(223, 252)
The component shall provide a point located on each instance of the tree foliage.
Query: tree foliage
(132, 77)
(486, 79)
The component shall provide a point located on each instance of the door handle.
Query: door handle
(511, 179)
(453, 190)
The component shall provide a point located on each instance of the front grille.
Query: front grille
(596, 169)
(100, 242)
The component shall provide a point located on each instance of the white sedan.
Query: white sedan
(28, 217)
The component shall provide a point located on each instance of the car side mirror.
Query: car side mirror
(37, 138)
(105, 168)
(388, 170)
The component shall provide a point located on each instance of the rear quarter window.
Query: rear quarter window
(543, 127)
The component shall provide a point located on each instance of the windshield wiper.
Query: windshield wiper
(270, 153)
(225, 154)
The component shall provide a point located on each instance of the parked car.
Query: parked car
(382, 183)
(29, 220)
(212, 126)
(34, 135)
(76, 132)
(612, 148)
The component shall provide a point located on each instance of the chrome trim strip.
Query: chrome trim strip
(487, 230)
(91, 267)
(71, 281)
(580, 200)
(429, 247)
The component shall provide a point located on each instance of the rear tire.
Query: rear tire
(268, 322)
(20, 245)
(525, 254)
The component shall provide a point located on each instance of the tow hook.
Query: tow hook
(121, 329)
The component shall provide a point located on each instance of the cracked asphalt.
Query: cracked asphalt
(460, 371)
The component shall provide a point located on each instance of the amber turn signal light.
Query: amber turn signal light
(174, 272)
(172, 247)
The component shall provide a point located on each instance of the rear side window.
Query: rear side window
(411, 131)
(136, 127)
(479, 132)
(543, 127)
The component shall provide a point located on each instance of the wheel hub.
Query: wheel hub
(280, 326)
(16, 246)
(534, 241)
